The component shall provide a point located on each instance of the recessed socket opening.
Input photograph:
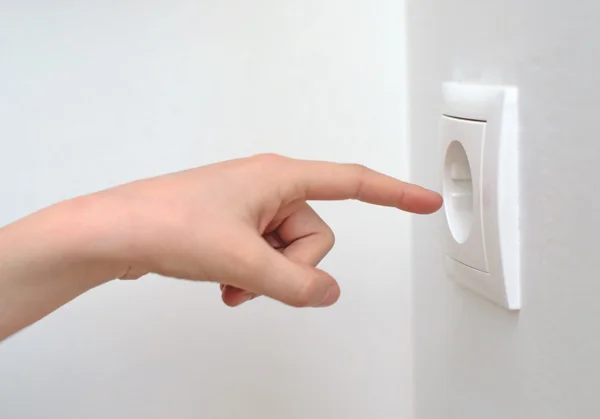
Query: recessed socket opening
(458, 192)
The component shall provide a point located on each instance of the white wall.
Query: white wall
(472, 359)
(97, 93)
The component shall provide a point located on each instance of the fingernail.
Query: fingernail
(329, 297)
(246, 298)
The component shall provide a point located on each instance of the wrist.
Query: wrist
(51, 257)
(91, 232)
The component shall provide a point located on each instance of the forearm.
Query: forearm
(50, 258)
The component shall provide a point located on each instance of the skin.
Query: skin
(244, 224)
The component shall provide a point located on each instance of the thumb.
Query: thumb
(294, 284)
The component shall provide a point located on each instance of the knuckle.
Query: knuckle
(359, 174)
(358, 168)
(268, 158)
(330, 237)
(401, 200)
(301, 300)
(305, 295)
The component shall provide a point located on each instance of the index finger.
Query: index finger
(326, 181)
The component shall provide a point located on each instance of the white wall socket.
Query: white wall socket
(479, 136)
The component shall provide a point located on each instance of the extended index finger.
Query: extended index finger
(324, 181)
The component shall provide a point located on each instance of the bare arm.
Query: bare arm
(51, 257)
(245, 224)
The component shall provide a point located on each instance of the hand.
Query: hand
(246, 224)
(243, 223)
